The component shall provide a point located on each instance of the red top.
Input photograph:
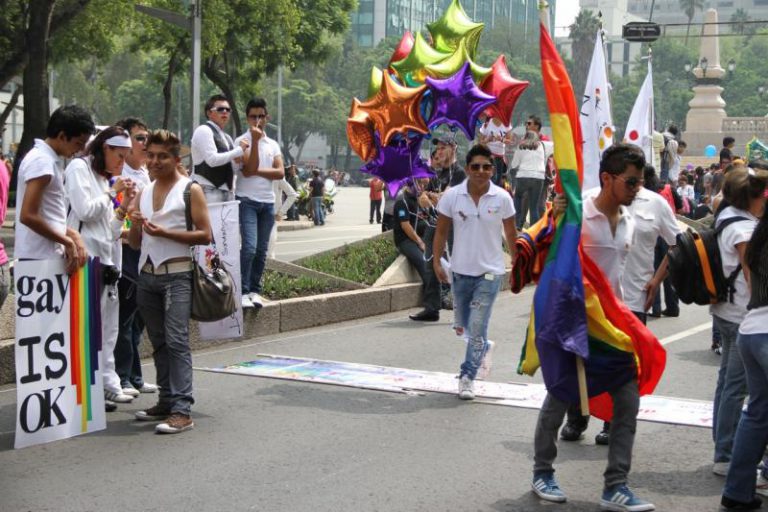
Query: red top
(376, 187)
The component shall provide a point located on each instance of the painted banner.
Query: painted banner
(225, 226)
(659, 409)
(59, 387)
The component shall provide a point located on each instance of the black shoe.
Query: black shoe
(603, 438)
(669, 313)
(425, 316)
(729, 504)
(573, 431)
(654, 314)
(110, 406)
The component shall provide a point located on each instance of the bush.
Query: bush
(361, 263)
(277, 286)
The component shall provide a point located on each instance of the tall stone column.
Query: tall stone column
(704, 122)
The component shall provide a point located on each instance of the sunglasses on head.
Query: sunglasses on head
(484, 167)
(222, 110)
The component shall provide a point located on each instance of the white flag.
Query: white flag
(640, 124)
(596, 121)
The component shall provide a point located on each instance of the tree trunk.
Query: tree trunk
(688, 31)
(287, 152)
(173, 66)
(9, 108)
(347, 158)
(300, 149)
(223, 80)
(36, 108)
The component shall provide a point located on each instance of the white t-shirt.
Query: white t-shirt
(203, 149)
(477, 229)
(257, 188)
(139, 176)
(41, 161)
(755, 322)
(674, 168)
(730, 237)
(495, 135)
(532, 163)
(687, 192)
(607, 251)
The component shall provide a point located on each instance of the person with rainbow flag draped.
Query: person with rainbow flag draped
(587, 342)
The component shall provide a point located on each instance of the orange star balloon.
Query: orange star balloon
(360, 132)
(506, 89)
(395, 109)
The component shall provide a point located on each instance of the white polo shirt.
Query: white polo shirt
(609, 252)
(257, 188)
(653, 219)
(139, 176)
(477, 229)
(41, 161)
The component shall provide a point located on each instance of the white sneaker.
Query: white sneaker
(466, 388)
(485, 367)
(245, 302)
(120, 398)
(721, 468)
(761, 486)
(256, 300)
(131, 391)
(148, 388)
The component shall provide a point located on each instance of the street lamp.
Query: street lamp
(703, 63)
(761, 91)
(688, 67)
(731, 66)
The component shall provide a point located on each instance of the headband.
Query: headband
(119, 141)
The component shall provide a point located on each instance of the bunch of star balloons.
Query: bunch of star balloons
(426, 85)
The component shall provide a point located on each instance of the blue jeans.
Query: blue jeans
(473, 298)
(165, 303)
(752, 434)
(317, 210)
(256, 221)
(730, 391)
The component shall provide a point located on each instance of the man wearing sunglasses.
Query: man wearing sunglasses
(477, 212)
(213, 152)
(607, 234)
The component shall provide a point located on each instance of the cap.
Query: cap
(445, 139)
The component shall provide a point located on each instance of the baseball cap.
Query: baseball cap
(445, 139)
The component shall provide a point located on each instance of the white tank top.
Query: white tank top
(170, 216)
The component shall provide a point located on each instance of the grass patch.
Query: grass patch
(361, 263)
(277, 286)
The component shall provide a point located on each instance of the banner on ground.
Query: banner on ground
(59, 387)
(225, 226)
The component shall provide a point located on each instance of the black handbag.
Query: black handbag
(213, 290)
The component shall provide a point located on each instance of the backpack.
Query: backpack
(696, 267)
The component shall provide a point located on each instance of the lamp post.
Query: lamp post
(761, 91)
(731, 66)
(703, 63)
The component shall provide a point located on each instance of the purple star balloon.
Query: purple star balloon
(457, 101)
(397, 162)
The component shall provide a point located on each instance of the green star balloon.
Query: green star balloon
(451, 65)
(454, 26)
(374, 85)
(420, 56)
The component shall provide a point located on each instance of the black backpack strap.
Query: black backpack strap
(188, 205)
(730, 281)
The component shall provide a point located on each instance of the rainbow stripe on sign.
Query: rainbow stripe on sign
(85, 333)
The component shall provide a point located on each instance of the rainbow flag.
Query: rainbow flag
(574, 312)
(85, 334)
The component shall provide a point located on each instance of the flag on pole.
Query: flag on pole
(596, 120)
(575, 312)
(640, 124)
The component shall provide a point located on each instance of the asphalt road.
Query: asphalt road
(273, 445)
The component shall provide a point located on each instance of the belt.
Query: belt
(174, 267)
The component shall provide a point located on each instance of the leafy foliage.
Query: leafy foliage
(278, 286)
(362, 263)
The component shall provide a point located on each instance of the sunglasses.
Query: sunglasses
(258, 117)
(484, 167)
(631, 183)
(222, 110)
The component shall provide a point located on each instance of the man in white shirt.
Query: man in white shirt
(127, 360)
(213, 152)
(257, 199)
(42, 231)
(607, 234)
(495, 135)
(478, 212)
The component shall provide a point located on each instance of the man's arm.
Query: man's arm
(510, 235)
(137, 223)
(411, 233)
(201, 223)
(652, 287)
(276, 172)
(205, 147)
(444, 224)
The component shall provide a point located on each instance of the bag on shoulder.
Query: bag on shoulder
(696, 267)
(213, 290)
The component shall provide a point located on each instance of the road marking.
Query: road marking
(684, 334)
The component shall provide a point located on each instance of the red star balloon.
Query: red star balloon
(504, 88)
(360, 132)
(403, 47)
(395, 109)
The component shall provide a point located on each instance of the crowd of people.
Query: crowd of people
(124, 195)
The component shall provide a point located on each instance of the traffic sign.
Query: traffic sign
(641, 31)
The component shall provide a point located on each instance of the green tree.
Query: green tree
(740, 19)
(689, 7)
(582, 34)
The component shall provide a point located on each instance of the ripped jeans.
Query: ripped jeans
(165, 303)
(473, 298)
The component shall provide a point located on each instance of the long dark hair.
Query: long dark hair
(96, 149)
(757, 247)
